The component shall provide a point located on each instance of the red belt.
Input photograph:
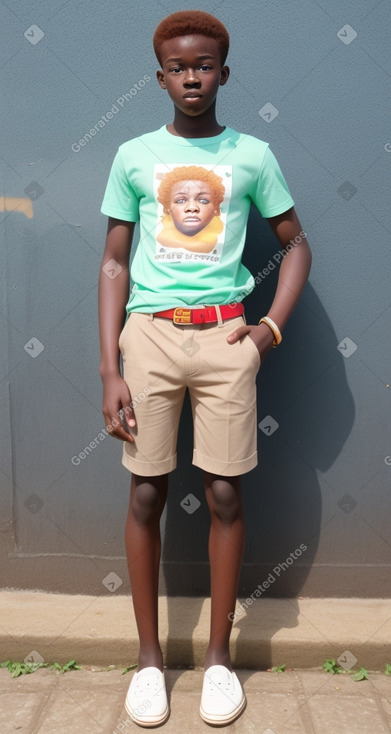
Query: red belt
(207, 315)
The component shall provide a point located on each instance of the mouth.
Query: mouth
(192, 95)
(191, 219)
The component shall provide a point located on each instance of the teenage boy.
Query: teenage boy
(185, 328)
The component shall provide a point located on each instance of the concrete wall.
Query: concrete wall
(323, 481)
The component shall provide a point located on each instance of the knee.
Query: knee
(146, 503)
(224, 501)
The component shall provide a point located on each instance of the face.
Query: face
(191, 206)
(192, 72)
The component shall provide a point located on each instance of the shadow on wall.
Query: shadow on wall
(302, 387)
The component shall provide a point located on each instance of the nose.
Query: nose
(191, 78)
(192, 205)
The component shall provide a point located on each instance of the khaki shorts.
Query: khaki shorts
(161, 359)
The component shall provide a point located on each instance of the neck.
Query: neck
(201, 126)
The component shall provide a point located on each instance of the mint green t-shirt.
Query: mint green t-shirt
(192, 197)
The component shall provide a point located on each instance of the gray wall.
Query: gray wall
(324, 477)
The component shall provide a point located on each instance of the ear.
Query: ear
(160, 78)
(224, 75)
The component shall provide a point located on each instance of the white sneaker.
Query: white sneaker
(146, 700)
(222, 698)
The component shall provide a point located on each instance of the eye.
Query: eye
(204, 201)
(205, 67)
(180, 200)
(176, 69)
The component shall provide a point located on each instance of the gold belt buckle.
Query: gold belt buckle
(182, 316)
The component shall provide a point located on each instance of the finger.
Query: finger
(127, 414)
(238, 334)
(128, 408)
(116, 429)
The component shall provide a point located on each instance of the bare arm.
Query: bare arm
(113, 294)
(292, 277)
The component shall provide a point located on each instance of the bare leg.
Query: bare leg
(226, 542)
(142, 538)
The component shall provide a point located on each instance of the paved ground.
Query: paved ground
(99, 631)
(300, 701)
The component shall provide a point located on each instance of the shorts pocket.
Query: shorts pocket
(254, 349)
(122, 334)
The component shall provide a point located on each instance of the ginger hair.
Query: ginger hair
(190, 173)
(191, 22)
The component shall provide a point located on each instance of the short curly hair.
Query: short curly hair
(190, 173)
(191, 22)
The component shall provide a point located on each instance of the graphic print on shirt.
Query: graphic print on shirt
(192, 206)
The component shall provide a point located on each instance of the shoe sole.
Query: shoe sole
(213, 721)
(155, 721)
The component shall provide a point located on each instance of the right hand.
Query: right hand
(117, 408)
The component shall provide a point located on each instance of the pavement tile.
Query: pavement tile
(79, 679)
(183, 680)
(346, 715)
(40, 680)
(381, 684)
(319, 682)
(294, 702)
(5, 680)
(326, 684)
(81, 712)
(268, 682)
(386, 701)
(18, 711)
(385, 704)
(280, 713)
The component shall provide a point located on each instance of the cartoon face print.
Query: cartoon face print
(192, 210)
(191, 206)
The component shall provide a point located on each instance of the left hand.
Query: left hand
(261, 335)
